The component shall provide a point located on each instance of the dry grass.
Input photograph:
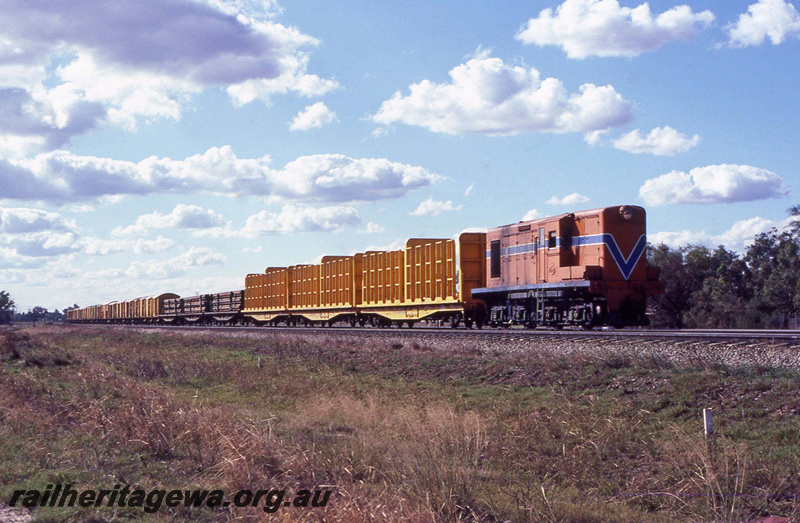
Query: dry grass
(399, 433)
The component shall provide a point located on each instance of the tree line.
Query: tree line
(724, 289)
(8, 312)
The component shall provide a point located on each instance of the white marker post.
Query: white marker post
(708, 422)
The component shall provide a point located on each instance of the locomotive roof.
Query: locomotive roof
(556, 217)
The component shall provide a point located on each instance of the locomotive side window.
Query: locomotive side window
(551, 240)
(495, 259)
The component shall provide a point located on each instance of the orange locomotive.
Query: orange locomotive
(586, 268)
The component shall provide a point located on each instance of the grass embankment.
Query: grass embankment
(404, 433)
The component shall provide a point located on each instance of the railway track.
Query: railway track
(785, 337)
(684, 348)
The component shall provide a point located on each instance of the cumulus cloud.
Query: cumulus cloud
(182, 217)
(120, 62)
(29, 237)
(532, 215)
(99, 246)
(431, 207)
(63, 177)
(26, 221)
(372, 228)
(312, 117)
(301, 219)
(488, 96)
(713, 184)
(30, 124)
(30, 234)
(603, 28)
(176, 266)
(738, 237)
(570, 199)
(41, 244)
(773, 19)
(661, 141)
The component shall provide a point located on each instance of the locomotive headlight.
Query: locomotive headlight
(626, 212)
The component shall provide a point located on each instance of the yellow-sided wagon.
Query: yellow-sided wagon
(431, 279)
(266, 296)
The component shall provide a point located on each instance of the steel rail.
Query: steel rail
(726, 335)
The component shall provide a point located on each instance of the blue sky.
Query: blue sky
(176, 145)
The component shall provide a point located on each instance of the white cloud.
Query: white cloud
(570, 199)
(99, 246)
(301, 219)
(31, 237)
(396, 245)
(661, 141)
(372, 228)
(469, 190)
(773, 19)
(63, 177)
(738, 237)
(41, 244)
(313, 116)
(176, 266)
(488, 96)
(431, 207)
(295, 80)
(713, 184)
(182, 217)
(471, 229)
(532, 215)
(595, 137)
(602, 28)
(26, 221)
(121, 62)
(11, 259)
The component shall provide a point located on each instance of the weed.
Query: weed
(401, 431)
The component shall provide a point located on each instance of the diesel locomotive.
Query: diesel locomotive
(582, 269)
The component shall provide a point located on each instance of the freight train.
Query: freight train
(583, 269)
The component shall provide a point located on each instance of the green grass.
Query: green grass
(404, 432)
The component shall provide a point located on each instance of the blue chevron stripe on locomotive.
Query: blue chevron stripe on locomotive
(624, 264)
